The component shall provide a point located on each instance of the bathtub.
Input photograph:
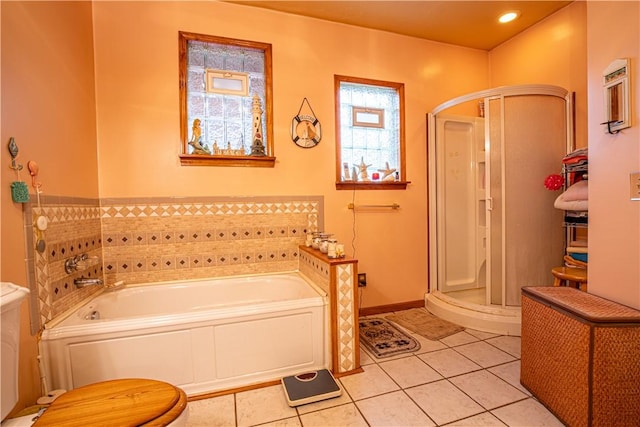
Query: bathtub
(202, 335)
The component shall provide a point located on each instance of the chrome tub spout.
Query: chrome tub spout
(81, 282)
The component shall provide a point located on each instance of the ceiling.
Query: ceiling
(472, 23)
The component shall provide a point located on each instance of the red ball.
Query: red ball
(554, 182)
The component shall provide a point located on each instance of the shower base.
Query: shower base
(487, 318)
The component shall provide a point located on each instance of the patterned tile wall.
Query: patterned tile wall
(73, 228)
(152, 239)
(348, 340)
(171, 239)
(316, 270)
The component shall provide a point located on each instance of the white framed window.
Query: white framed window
(370, 135)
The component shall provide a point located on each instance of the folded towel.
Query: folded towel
(578, 191)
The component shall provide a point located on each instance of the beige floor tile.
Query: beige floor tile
(339, 416)
(410, 371)
(372, 382)
(262, 405)
(481, 420)
(510, 372)
(481, 334)
(487, 389)
(525, 414)
(365, 359)
(459, 339)
(393, 409)
(287, 422)
(449, 362)
(508, 344)
(214, 412)
(484, 354)
(443, 402)
(427, 345)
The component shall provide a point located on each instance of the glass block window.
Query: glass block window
(370, 142)
(225, 90)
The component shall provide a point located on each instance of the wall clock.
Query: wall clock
(306, 131)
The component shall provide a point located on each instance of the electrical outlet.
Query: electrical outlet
(634, 186)
(362, 280)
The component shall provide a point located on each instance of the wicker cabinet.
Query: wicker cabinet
(581, 356)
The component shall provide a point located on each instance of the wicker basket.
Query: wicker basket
(581, 356)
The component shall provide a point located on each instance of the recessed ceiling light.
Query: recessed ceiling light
(508, 16)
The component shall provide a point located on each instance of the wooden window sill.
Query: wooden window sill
(206, 160)
(381, 185)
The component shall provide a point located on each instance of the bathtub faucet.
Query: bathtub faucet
(81, 282)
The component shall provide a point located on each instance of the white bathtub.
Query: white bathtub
(203, 336)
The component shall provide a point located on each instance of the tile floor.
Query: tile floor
(467, 379)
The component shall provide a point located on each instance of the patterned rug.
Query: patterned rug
(420, 321)
(383, 339)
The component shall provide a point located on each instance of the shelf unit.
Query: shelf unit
(576, 222)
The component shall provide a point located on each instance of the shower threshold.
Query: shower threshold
(486, 318)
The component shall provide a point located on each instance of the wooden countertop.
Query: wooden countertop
(333, 261)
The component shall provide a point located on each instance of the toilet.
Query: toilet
(121, 402)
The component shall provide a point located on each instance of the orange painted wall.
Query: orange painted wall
(614, 220)
(135, 117)
(553, 52)
(48, 106)
(138, 123)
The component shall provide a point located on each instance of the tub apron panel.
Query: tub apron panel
(200, 351)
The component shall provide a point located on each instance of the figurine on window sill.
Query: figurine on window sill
(196, 139)
(388, 174)
(364, 175)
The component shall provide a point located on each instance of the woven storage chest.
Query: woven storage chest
(580, 356)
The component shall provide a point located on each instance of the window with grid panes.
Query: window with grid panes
(369, 134)
(225, 101)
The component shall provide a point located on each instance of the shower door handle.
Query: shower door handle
(489, 203)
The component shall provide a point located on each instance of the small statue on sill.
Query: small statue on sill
(196, 139)
(257, 148)
(364, 175)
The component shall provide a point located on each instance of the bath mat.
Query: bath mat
(384, 339)
(310, 387)
(420, 321)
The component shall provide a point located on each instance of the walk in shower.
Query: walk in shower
(492, 225)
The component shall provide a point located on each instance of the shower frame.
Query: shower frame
(498, 318)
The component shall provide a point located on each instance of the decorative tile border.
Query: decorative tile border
(347, 320)
(204, 209)
(149, 240)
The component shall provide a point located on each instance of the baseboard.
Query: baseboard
(370, 311)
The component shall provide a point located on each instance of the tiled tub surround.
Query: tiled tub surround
(152, 240)
(157, 239)
(73, 228)
(337, 277)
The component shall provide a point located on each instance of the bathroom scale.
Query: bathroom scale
(310, 387)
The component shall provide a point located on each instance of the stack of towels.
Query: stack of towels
(574, 200)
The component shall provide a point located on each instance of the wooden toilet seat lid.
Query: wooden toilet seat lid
(125, 402)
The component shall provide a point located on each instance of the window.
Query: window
(225, 101)
(369, 134)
